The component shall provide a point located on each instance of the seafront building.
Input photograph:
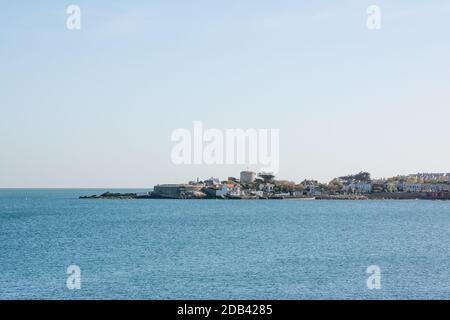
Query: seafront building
(247, 177)
(423, 187)
(358, 187)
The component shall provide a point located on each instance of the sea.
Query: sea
(220, 249)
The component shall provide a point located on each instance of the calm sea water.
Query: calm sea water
(208, 249)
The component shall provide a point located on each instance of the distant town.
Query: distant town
(264, 185)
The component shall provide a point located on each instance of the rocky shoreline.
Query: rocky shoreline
(152, 195)
(193, 195)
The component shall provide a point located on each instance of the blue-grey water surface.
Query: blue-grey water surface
(215, 249)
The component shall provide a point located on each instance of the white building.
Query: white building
(212, 181)
(423, 187)
(434, 187)
(358, 187)
(310, 187)
(228, 189)
(222, 192)
(267, 187)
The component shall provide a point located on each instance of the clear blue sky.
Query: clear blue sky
(96, 107)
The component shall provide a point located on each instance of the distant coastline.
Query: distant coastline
(264, 186)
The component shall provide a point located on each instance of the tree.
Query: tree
(285, 186)
(361, 176)
(335, 185)
(412, 179)
(391, 187)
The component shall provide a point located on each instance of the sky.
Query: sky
(96, 107)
